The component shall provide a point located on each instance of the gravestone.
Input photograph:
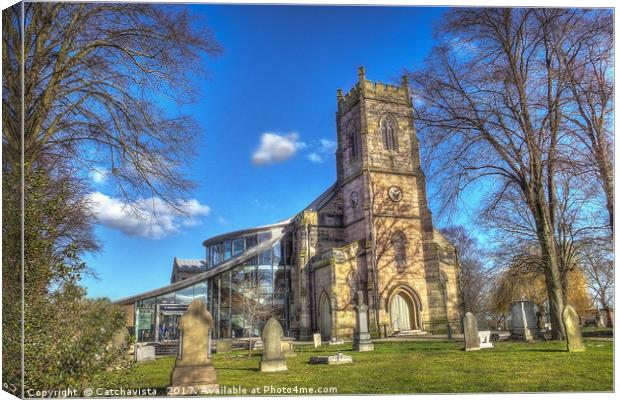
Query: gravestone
(144, 353)
(339, 358)
(317, 340)
(287, 347)
(484, 337)
(361, 337)
(223, 346)
(272, 359)
(470, 331)
(193, 371)
(335, 341)
(524, 320)
(573, 331)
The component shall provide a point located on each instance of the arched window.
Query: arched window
(353, 138)
(353, 145)
(400, 249)
(388, 132)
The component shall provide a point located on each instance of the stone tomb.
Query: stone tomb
(272, 359)
(573, 331)
(317, 340)
(361, 338)
(338, 358)
(193, 372)
(470, 331)
(484, 338)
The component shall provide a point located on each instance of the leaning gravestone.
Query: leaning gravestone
(272, 359)
(470, 331)
(361, 338)
(573, 331)
(193, 372)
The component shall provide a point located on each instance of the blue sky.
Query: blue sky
(278, 74)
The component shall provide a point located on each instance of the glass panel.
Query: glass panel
(227, 250)
(208, 260)
(167, 298)
(265, 280)
(249, 276)
(277, 253)
(250, 241)
(225, 304)
(185, 296)
(264, 236)
(145, 320)
(265, 257)
(216, 251)
(279, 278)
(237, 246)
(201, 291)
(252, 261)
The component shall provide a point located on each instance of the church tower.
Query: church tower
(383, 193)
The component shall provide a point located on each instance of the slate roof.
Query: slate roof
(189, 265)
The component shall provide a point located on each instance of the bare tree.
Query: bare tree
(94, 76)
(589, 110)
(473, 278)
(490, 103)
(598, 267)
(246, 297)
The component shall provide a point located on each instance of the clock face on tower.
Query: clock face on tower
(395, 193)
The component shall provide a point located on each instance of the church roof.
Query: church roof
(189, 265)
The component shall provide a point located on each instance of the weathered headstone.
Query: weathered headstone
(333, 341)
(524, 320)
(144, 353)
(193, 372)
(361, 337)
(223, 346)
(573, 331)
(527, 333)
(470, 331)
(317, 340)
(272, 359)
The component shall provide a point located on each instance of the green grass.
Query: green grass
(408, 367)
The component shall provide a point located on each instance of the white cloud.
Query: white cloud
(327, 146)
(99, 175)
(315, 157)
(276, 148)
(323, 149)
(151, 218)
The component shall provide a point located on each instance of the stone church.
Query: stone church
(371, 231)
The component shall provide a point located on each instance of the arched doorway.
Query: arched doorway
(325, 317)
(403, 312)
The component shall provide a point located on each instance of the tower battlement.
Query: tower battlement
(373, 89)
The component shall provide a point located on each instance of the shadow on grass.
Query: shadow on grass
(255, 369)
(544, 350)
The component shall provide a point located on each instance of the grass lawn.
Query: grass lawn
(407, 367)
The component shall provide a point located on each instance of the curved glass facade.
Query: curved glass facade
(224, 250)
(241, 298)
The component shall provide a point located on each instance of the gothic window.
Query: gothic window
(400, 250)
(388, 132)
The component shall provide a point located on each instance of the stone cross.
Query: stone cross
(272, 359)
(193, 367)
(470, 331)
(573, 331)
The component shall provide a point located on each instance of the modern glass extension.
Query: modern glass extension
(247, 282)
